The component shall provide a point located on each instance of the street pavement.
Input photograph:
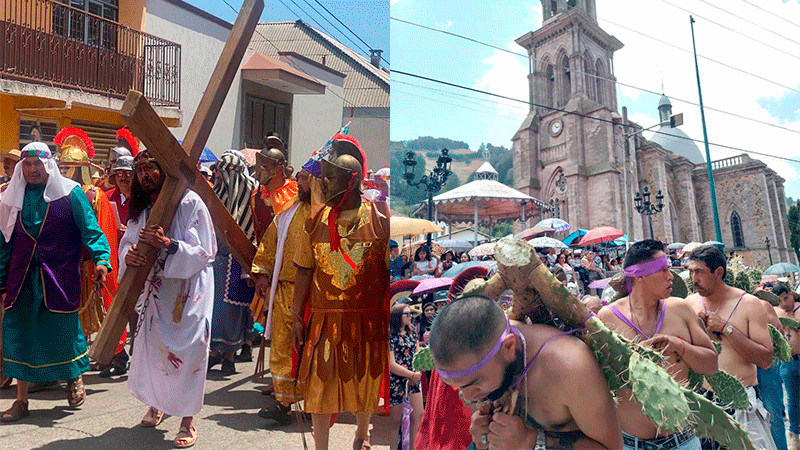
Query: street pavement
(110, 416)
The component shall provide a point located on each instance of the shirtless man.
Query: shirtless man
(790, 371)
(739, 322)
(650, 316)
(563, 395)
(769, 380)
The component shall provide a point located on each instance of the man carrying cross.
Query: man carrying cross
(170, 353)
(46, 220)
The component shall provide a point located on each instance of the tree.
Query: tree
(794, 228)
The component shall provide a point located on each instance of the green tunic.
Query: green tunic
(38, 345)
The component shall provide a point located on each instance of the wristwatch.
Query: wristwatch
(728, 330)
(172, 248)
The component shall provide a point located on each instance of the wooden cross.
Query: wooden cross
(179, 164)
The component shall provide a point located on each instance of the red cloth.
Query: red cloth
(445, 424)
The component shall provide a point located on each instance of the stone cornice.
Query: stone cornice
(562, 23)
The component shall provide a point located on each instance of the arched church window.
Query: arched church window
(549, 79)
(598, 81)
(565, 85)
(588, 78)
(736, 230)
(553, 7)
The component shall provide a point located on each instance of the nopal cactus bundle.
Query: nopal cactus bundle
(537, 293)
(659, 394)
(788, 322)
(423, 360)
(728, 389)
(780, 346)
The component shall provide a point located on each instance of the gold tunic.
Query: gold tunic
(347, 340)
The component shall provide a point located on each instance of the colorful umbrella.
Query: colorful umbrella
(555, 223)
(455, 244)
(406, 226)
(781, 268)
(676, 246)
(691, 246)
(483, 250)
(547, 242)
(432, 285)
(460, 267)
(533, 232)
(575, 236)
(600, 284)
(250, 156)
(600, 234)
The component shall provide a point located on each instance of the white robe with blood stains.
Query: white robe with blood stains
(170, 353)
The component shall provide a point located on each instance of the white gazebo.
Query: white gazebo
(485, 199)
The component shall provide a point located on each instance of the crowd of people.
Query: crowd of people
(72, 231)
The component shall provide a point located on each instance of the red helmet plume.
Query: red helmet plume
(125, 134)
(80, 134)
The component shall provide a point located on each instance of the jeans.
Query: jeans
(771, 387)
(790, 372)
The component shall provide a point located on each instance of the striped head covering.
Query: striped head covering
(234, 185)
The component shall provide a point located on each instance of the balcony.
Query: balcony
(48, 42)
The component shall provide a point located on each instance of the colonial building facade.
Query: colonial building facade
(575, 151)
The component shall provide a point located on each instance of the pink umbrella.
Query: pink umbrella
(600, 284)
(600, 234)
(250, 155)
(432, 285)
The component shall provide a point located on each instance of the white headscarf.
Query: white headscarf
(56, 188)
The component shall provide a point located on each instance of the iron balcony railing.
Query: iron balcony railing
(49, 42)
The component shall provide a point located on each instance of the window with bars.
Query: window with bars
(736, 230)
(76, 24)
(34, 130)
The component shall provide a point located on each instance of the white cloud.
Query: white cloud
(444, 25)
(506, 76)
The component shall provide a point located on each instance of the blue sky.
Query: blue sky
(369, 19)
(738, 37)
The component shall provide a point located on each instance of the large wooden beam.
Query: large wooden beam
(176, 182)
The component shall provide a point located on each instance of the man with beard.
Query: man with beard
(650, 316)
(343, 274)
(170, 350)
(790, 370)
(563, 400)
(274, 271)
(737, 320)
(46, 221)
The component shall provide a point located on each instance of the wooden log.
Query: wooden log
(154, 135)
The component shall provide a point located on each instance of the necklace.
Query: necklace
(639, 327)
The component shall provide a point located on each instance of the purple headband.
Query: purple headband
(477, 366)
(646, 268)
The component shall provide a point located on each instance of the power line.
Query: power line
(600, 119)
(348, 28)
(771, 13)
(355, 44)
(621, 83)
(732, 30)
(751, 22)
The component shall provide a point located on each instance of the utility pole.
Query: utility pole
(705, 140)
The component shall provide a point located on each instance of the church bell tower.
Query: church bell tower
(568, 150)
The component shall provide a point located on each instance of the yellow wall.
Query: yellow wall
(9, 116)
(132, 13)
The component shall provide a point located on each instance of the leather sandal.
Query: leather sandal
(18, 410)
(152, 418)
(186, 437)
(361, 444)
(278, 412)
(76, 393)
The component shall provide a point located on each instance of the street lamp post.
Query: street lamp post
(432, 181)
(644, 207)
(768, 252)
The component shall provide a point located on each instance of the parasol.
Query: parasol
(455, 244)
(676, 246)
(575, 236)
(460, 267)
(483, 250)
(691, 246)
(533, 232)
(600, 234)
(407, 226)
(600, 284)
(547, 242)
(555, 223)
(781, 268)
(432, 285)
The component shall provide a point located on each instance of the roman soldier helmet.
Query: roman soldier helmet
(76, 150)
(126, 141)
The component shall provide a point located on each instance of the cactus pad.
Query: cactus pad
(729, 389)
(764, 294)
(679, 288)
(717, 347)
(711, 422)
(788, 322)
(423, 360)
(694, 380)
(660, 396)
(780, 346)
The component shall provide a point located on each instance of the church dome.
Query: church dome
(678, 142)
(673, 139)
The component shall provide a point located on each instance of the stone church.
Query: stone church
(576, 152)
